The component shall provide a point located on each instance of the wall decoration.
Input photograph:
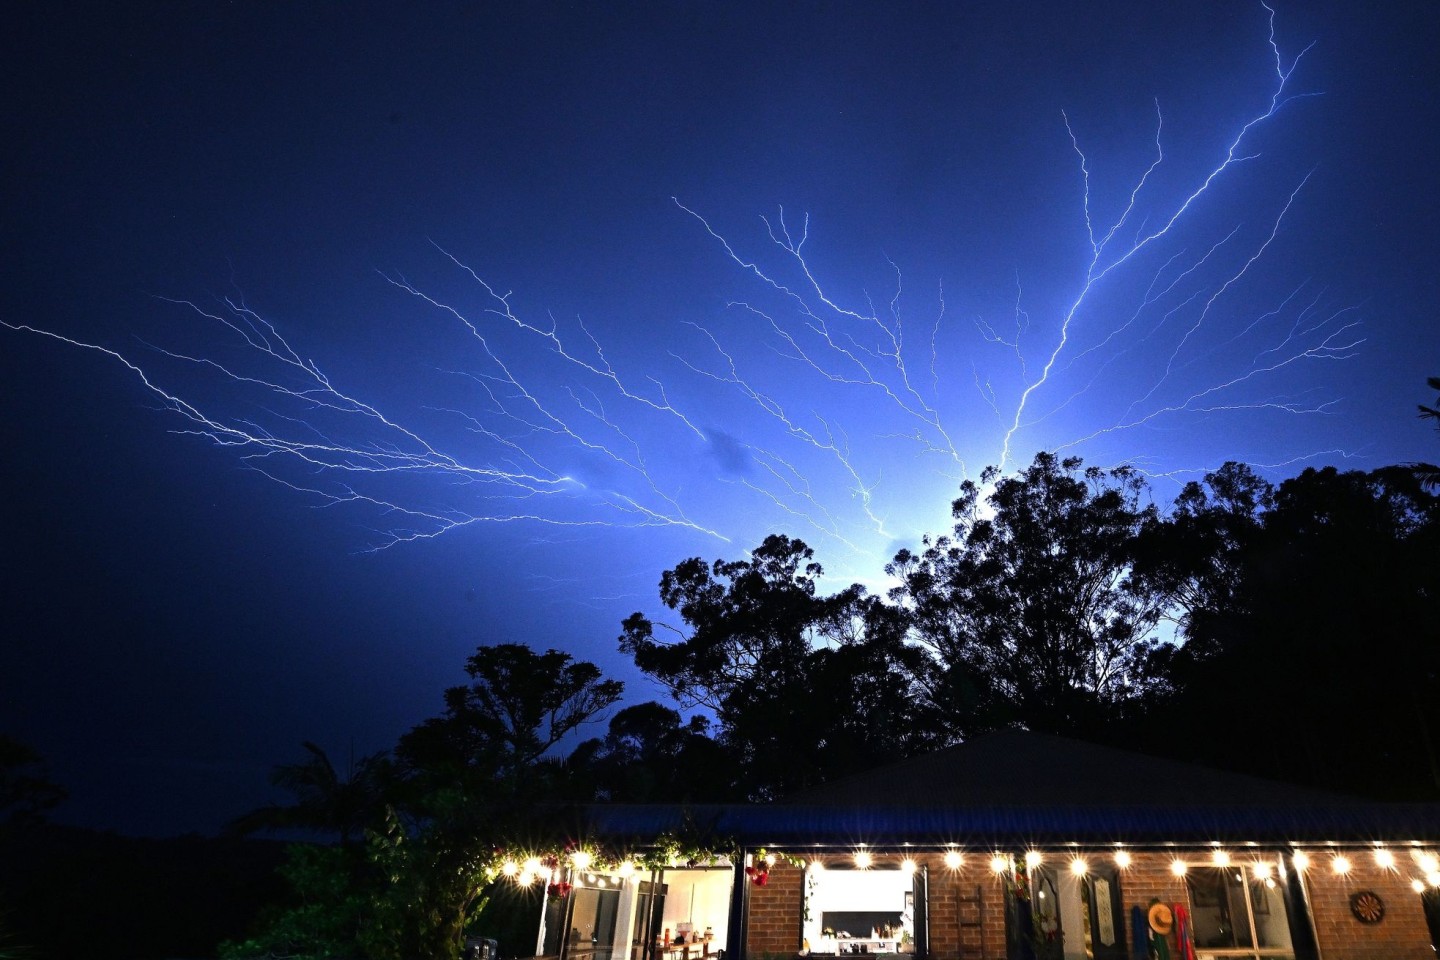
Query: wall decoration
(1367, 906)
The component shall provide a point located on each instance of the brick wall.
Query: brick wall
(967, 910)
(1401, 935)
(775, 912)
(967, 907)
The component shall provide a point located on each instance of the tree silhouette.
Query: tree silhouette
(324, 801)
(1428, 473)
(1322, 665)
(804, 686)
(1028, 612)
(26, 790)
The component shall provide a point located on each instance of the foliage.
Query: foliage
(324, 802)
(788, 673)
(1028, 612)
(26, 791)
(1327, 625)
(1428, 473)
(518, 705)
(330, 911)
(1195, 556)
(10, 948)
(463, 787)
(650, 754)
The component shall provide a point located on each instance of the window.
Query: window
(859, 911)
(680, 915)
(1237, 915)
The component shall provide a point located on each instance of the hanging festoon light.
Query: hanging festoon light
(1079, 867)
(999, 863)
(1341, 865)
(908, 866)
(1262, 870)
(510, 868)
(581, 859)
(1122, 859)
(1178, 868)
(1384, 859)
(626, 869)
(1301, 860)
(954, 859)
(1033, 858)
(863, 859)
(1220, 858)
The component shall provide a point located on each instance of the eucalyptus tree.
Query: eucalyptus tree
(1322, 663)
(1029, 612)
(803, 685)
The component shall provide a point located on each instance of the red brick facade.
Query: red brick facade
(1401, 935)
(966, 907)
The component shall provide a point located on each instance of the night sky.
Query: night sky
(176, 621)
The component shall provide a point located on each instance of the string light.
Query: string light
(1428, 863)
(1417, 885)
(1032, 858)
(999, 863)
(627, 868)
(1262, 870)
(908, 865)
(1122, 859)
(1079, 867)
(581, 859)
(1178, 868)
(532, 865)
(1301, 860)
(1340, 865)
(817, 866)
(953, 859)
(862, 860)
(1433, 878)
(510, 868)
(769, 859)
(1220, 858)
(525, 879)
(1384, 859)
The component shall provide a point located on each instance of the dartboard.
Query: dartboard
(1367, 907)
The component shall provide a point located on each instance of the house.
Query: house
(1011, 846)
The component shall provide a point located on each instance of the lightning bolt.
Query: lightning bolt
(831, 414)
(1099, 268)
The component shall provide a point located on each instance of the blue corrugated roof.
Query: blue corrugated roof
(805, 825)
(1018, 787)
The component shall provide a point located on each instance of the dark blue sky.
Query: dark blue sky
(174, 624)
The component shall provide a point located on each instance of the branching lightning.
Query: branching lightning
(797, 407)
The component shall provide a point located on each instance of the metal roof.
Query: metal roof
(1019, 788)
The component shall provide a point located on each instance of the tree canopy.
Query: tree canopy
(1028, 612)
(786, 671)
